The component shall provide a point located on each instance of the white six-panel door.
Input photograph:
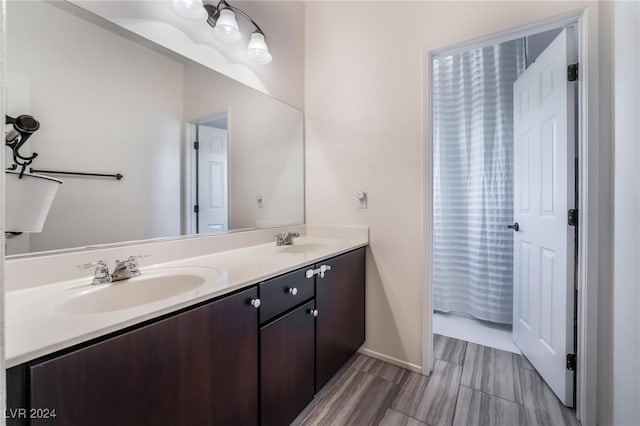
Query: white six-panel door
(543, 305)
(212, 180)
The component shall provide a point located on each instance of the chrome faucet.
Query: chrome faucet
(123, 270)
(286, 239)
(126, 269)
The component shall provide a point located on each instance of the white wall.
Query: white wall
(366, 80)
(626, 216)
(281, 21)
(82, 76)
(264, 158)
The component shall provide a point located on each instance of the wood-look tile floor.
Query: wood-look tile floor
(470, 385)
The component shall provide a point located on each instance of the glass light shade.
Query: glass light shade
(192, 10)
(257, 51)
(226, 29)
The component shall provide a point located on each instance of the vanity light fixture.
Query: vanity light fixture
(191, 10)
(222, 18)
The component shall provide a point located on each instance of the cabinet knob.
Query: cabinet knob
(313, 312)
(293, 291)
(255, 303)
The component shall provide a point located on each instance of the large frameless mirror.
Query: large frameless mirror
(148, 144)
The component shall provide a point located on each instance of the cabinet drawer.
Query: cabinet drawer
(277, 295)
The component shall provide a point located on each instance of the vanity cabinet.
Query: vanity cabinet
(221, 362)
(340, 301)
(199, 367)
(301, 350)
(287, 359)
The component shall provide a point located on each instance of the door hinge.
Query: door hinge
(196, 145)
(572, 217)
(571, 362)
(196, 209)
(572, 72)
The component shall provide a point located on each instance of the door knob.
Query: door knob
(255, 303)
(293, 291)
(515, 227)
(313, 312)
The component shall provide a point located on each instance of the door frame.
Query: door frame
(586, 23)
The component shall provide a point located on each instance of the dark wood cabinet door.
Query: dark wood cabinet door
(199, 367)
(287, 366)
(340, 325)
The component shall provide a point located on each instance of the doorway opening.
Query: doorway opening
(504, 163)
(207, 181)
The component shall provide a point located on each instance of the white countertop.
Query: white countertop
(36, 325)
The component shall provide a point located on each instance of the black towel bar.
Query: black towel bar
(118, 176)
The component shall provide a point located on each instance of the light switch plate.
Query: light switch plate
(361, 199)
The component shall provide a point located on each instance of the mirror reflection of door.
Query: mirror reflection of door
(212, 187)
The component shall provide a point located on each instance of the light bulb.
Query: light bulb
(226, 29)
(257, 51)
(192, 10)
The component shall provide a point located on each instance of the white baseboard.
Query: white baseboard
(404, 364)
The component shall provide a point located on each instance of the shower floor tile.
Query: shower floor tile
(475, 331)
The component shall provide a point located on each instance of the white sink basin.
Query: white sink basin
(148, 288)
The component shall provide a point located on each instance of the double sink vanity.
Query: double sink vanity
(242, 336)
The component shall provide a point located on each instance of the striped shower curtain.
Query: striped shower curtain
(473, 180)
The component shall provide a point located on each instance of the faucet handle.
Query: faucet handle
(138, 256)
(133, 265)
(98, 264)
(132, 259)
(101, 274)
